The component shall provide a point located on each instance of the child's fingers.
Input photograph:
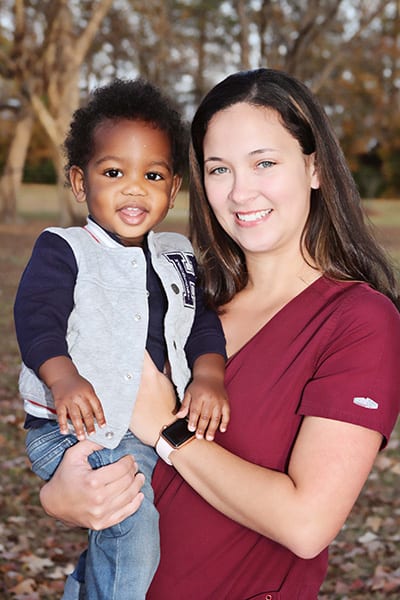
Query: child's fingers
(88, 419)
(98, 413)
(225, 417)
(194, 416)
(194, 422)
(213, 424)
(182, 412)
(202, 423)
(62, 417)
(76, 418)
(184, 409)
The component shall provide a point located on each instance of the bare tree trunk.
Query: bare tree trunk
(49, 79)
(241, 9)
(199, 83)
(11, 179)
(56, 129)
(67, 214)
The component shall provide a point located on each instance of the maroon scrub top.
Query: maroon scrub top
(333, 351)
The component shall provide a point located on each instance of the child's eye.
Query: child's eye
(152, 176)
(113, 173)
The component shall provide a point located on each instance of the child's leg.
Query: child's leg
(45, 447)
(74, 588)
(121, 560)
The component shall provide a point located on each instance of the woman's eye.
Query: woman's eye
(151, 176)
(113, 173)
(265, 164)
(218, 171)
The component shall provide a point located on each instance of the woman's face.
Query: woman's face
(257, 179)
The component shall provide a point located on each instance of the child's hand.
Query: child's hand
(207, 403)
(74, 397)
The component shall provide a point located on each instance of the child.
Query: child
(93, 299)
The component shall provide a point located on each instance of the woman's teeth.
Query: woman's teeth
(254, 216)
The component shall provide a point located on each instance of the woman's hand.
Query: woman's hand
(155, 404)
(94, 499)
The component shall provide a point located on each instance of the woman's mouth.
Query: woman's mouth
(252, 217)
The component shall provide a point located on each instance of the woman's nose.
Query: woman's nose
(241, 190)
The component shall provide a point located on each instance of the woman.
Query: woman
(308, 303)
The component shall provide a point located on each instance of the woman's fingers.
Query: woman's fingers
(81, 496)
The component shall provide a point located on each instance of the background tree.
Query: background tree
(10, 69)
(53, 53)
(51, 41)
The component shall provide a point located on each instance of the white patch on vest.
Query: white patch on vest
(365, 402)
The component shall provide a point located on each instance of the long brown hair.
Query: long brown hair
(336, 235)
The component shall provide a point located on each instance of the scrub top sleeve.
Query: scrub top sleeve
(357, 375)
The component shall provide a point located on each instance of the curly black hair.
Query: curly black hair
(133, 99)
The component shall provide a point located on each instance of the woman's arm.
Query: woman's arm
(81, 496)
(302, 510)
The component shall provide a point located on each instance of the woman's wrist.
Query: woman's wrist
(173, 437)
(47, 500)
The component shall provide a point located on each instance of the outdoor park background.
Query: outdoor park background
(51, 55)
(36, 552)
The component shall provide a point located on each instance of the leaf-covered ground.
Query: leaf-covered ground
(36, 552)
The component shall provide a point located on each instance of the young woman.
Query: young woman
(309, 307)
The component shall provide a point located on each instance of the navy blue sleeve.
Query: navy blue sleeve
(206, 335)
(44, 300)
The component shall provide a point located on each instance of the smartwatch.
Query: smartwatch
(173, 437)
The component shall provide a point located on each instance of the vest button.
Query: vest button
(134, 262)
(128, 376)
(175, 288)
(109, 435)
(137, 317)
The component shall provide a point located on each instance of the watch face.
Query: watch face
(177, 433)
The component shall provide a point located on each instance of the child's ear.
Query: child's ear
(77, 180)
(176, 185)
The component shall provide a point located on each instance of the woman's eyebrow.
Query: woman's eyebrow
(251, 153)
(212, 159)
(262, 150)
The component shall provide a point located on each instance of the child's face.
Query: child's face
(129, 184)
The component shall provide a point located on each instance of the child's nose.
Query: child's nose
(133, 186)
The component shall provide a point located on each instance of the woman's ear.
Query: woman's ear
(77, 180)
(314, 182)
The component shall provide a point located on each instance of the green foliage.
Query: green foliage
(39, 171)
(392, 173)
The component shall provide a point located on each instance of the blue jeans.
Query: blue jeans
(121, 560)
